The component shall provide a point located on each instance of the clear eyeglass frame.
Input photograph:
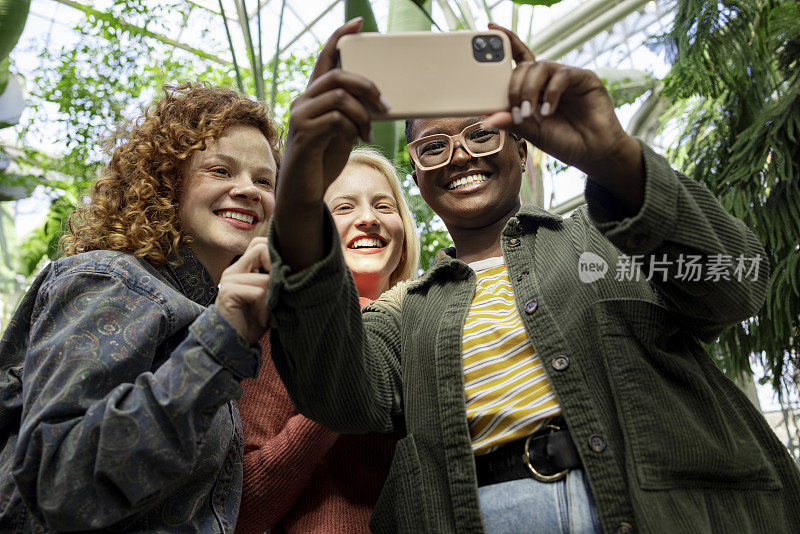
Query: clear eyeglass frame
(451, 142)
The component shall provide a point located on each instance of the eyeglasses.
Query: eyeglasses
(434, 151)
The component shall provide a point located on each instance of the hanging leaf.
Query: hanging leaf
(547, 3)
(13, 14)
(361, 8)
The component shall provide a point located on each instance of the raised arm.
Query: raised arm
(331, 366)
(340, 367)
(639, 203)
(707, 265)
(324, 125)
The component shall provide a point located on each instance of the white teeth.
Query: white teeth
(467, 180)
(249, 219)
(367, 242)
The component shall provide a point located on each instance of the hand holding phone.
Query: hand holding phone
(567, 112)
(324, 124)
(425, 74)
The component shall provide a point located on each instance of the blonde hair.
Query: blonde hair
(409, 258)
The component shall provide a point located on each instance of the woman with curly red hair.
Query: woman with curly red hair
(120, 368)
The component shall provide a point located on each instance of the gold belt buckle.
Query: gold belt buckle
(536, 474)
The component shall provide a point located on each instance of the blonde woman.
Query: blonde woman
(299, 476)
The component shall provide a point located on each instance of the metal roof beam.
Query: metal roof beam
(147, 33)
(582, 25)
(309, 26)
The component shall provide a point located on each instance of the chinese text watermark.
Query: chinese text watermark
(684, 267)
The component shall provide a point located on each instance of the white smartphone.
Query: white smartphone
(426, 74)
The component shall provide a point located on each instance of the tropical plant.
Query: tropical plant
(735, 83)
(98, 85)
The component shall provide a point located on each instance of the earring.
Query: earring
(522, 168)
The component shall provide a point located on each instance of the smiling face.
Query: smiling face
(228, 196)
(470, 192)
(369, 225)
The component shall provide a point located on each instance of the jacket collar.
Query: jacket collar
(446, 266)
(187, 275)
(536, 215)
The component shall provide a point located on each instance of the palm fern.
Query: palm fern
(735, 84)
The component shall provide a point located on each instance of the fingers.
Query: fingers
(358, 86)
(255, 257)
(536, 89)
(246, 284)
(263, 251)
(242, 298)
(519, 50)
(348, 100)
(501, 119)
(335, 108)
(329, 55)
(558, 83)
(516, 94)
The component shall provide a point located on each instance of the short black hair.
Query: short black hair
(409, 128)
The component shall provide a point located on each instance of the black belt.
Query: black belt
(546, 455)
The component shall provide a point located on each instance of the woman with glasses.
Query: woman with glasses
(547, 383)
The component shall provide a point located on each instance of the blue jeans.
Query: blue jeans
(527, 505)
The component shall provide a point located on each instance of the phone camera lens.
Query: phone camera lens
(496, 43)
(479, 43)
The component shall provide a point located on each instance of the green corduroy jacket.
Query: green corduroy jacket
(669, 443)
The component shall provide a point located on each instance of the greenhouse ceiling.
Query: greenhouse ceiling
(595, 33)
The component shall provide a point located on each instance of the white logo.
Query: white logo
(591, 267)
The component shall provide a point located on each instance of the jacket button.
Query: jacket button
(531, 306)
(521, 276)
(560, 363)
(597, 444)
(513, 242)
(624, 528)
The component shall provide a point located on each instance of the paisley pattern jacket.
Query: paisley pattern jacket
(117, 382)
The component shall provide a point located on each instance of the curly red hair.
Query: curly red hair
(134, 204)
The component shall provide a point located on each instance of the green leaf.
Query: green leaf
(361, 8)
(13, 14)
(537, 2)
(743, 145)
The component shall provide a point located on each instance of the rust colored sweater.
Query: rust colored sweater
(299, 476)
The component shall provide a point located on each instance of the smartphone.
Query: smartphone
(426, 74)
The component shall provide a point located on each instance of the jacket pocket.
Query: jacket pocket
(684, 423)
(402, 506)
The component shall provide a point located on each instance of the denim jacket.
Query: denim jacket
(117, 388)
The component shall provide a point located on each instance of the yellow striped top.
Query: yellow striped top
(508, 394)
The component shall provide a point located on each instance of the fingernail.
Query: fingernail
(515, 115)
(544, 111)
(384, 103)
(525, 109)
(354, 19)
